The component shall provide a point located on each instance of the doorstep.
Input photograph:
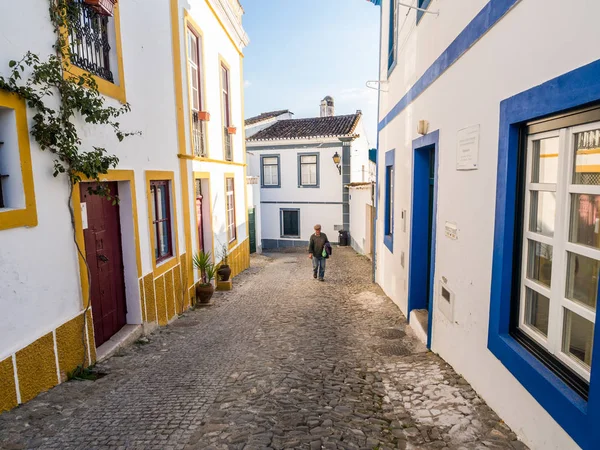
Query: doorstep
(418, 322)
(124, 337)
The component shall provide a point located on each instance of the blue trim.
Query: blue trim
(422, 4)
(579, 420)
(309, 186)
(376, 2)
(489, 16)
(262, 172)
(388, 226)
(418, 298)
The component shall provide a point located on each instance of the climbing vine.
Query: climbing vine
(61, 98)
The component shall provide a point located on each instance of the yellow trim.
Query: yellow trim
(8, 393)
(224, 28)
(162, 175)
(36, 367)
(181, 140)
(191, 23)
(104, 86)
(112, 175)
(209, 160)
(206, 176)
(244, 150)
(583, 151)
(26, 217)
(589, 168)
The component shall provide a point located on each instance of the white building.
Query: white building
(179, 64)
(488, 200)
(304, 166)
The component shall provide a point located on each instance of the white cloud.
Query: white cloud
(247, 83)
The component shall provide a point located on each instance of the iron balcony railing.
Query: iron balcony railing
(198, 135)
(228, 148)
(89, 46)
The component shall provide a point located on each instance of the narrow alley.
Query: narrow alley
(280, 362)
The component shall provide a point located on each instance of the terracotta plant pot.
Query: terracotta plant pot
(104, 7)
(231, 130)
(224, 272)
(204, 292)
(204, 116)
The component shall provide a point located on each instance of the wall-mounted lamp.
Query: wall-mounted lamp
(337, 160)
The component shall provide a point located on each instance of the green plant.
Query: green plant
(202, 262)
(224, 254)
(62, 101)
(211, 271)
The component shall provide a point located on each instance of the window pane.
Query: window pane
(585, 220)
(545, 161)
(165, 241)
(308, 159)
(267, 161)
(308, 174)
(582, 279)
(162, 202)
(273, 175)
(578, 334)
(537, 311)
(543, 212)
(539, 262)
(587, 158)
(290, 223)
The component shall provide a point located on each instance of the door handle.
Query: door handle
(102, 258)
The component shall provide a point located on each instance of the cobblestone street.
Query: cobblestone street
(282, 361)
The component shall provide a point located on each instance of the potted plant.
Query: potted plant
(231, 130)
(224, 271)
(204, 289)
(204, 116)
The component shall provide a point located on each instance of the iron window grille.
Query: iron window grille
(89, 45)
(228, 147)
(195, 74)
(198, 135)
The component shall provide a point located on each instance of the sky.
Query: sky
(302, 50)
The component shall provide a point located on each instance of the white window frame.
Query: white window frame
(561, 246)
(277, 170)
(308, 164)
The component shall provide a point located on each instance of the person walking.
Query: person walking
(316, 249)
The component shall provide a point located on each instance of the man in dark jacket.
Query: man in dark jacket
(316, 245)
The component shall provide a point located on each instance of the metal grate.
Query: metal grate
(588, 178)
(88, 39)
(228, 149)
(198, 135)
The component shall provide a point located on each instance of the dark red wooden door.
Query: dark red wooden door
(105, 257)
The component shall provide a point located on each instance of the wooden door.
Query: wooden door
(105, 258)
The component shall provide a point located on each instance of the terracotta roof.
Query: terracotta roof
(333, 126)
(265, 116)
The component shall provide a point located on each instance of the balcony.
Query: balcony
(198, 135)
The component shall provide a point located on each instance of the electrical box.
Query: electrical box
(446, 301)
(451, 231)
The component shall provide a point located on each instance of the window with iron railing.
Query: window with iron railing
(89, 43)
(195, 80)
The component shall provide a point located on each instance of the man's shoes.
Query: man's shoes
(321, 279)
(315, 275)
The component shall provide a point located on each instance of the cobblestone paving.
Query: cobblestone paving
(282, 361)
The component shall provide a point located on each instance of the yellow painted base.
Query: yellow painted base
(224, 285)
(8, 390)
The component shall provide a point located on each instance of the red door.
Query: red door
(105, 258)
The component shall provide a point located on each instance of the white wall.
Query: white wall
(359, 159)
(515, 55)
(360, 200)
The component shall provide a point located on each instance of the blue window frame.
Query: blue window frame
(308, 170)
(270, 171)
(393, 36)
(388, 226)
(578, 417)
(423, 4)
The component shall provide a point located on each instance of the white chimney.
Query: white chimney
(327, 107)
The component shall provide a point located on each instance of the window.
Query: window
(393, 35)
(161, 219)
(89, 42)
(560, 246)
(226, 111)
(423, 4)
(17, 196)
(195, 81)
(290, 223)
(388, 225)
(308, 170)
(270, 171)
(230, 209)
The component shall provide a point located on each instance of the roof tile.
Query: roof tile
(308, 128)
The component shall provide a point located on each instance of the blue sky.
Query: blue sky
(302, 50)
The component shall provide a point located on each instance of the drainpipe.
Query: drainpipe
(374, 270)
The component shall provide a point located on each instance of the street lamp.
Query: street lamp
(336, 160)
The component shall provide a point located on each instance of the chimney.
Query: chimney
(327, 108)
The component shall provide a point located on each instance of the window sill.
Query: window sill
(289, 237)
(271, 187)
(18, 218)
(308, 186)
(104, 87)
(388, 240)
(232, 243)
(164, 265)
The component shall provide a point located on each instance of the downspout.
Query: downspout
(377, 158)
